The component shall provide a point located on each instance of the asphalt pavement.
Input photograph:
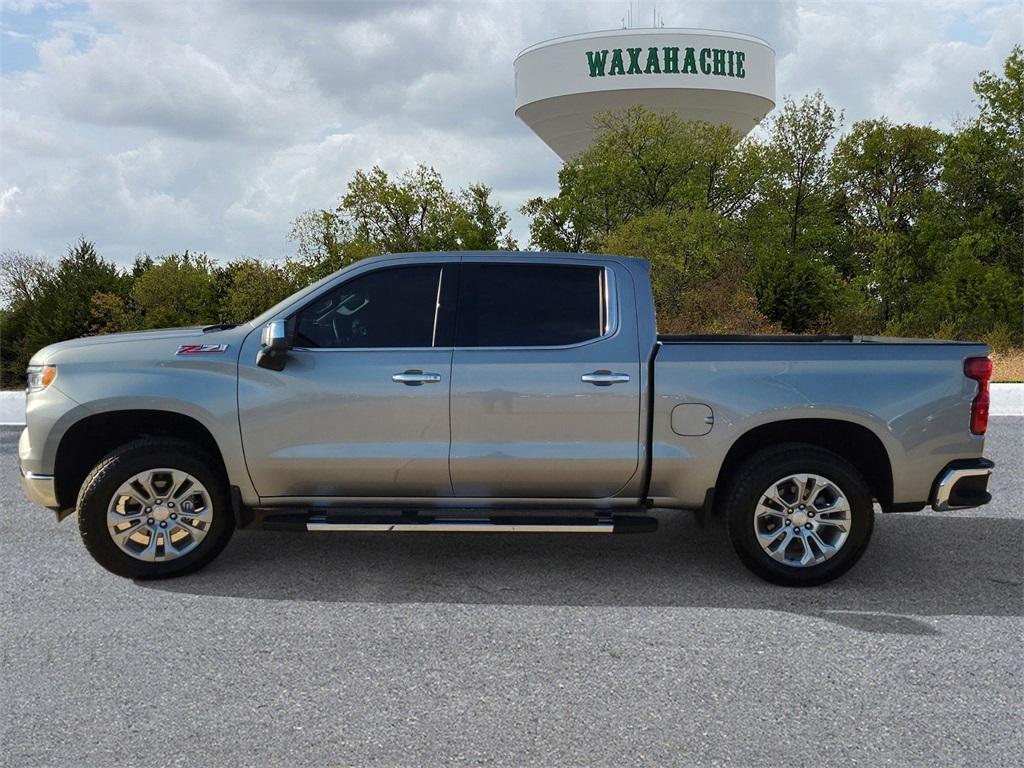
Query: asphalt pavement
(493, 649)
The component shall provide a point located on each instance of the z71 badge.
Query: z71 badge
(202, 349)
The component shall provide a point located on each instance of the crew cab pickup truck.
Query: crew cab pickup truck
(496, 391)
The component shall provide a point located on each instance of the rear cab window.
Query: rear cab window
(530, 305)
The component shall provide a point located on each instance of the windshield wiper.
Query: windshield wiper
(220, 327)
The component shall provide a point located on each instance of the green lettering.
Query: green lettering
(705, 67)
(671, 60)
(653, 65)
(718, 55)
(732, 56)
(634, 61)
(689, 63)
(616, 68)
(596, 60)
(740, 55)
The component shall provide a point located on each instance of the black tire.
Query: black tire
(755, 475)
(118, 467)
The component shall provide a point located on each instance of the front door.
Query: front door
(545, 382)
(361, 407)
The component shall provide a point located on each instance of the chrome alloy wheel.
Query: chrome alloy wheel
(802, 520)
(159, 515)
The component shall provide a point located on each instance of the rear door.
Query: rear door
(361, 407)
(545, 395)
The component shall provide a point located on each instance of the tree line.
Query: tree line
(885, 228)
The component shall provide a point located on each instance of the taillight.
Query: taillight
(979, 369)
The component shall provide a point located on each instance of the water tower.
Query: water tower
(718, 77)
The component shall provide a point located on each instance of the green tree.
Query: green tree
(797, 191)
(177, 290)
(320, 238)
(796, 291)
(482, 225)
(642, 162)
(249, 287)
(887, 176)
(683, 248)
(792, 228)
(966, 299)
(380, 214)
(973, 229)
(558, 223)
(415, 212)
(64, 298)
(671, 191)
(983, 170)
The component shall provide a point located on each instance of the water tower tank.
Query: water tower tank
(719, 77)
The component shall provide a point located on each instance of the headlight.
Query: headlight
(40, 377)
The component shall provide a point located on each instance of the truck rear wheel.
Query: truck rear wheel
(798, 515)
(155, 508)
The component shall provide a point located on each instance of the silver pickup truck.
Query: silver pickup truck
(493, 391)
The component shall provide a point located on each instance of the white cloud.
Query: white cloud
(9, 202)
(159, 126)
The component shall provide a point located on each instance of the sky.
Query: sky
(155, 127)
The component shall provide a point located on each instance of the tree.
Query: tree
(983, 170)
(641, 162)
(1001, 102)
(671, 191)
(61, 305)
(967, 299)
(413, 212)
(320, 238)
(482, 225)
(683, 248)
(20, 276)
(795, 291)
(177, 290)
(797, 190)
(249, 287)
(887, 177)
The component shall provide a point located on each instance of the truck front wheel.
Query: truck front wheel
(798, 515)
(155, 508)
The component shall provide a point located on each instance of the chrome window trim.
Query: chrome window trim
(608, 294)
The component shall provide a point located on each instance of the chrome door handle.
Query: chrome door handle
(416, 377)
(604, 378)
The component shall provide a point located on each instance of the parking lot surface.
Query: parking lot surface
(492, 649)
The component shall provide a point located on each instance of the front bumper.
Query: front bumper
(962, 484)
(40, 489)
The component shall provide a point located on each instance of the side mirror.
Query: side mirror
(273, 346)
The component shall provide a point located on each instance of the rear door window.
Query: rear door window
(529, 305)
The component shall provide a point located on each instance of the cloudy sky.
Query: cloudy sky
(164, 125)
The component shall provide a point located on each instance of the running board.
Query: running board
(496, 524)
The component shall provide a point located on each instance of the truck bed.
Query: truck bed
(736, 338)
(911, 394)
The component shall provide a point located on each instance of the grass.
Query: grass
(1008, 366)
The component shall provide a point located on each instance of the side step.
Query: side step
(495, 524)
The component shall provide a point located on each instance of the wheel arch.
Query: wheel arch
(854, 442)
(91, 438)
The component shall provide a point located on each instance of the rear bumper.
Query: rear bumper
(40, 489)
(962, 484)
